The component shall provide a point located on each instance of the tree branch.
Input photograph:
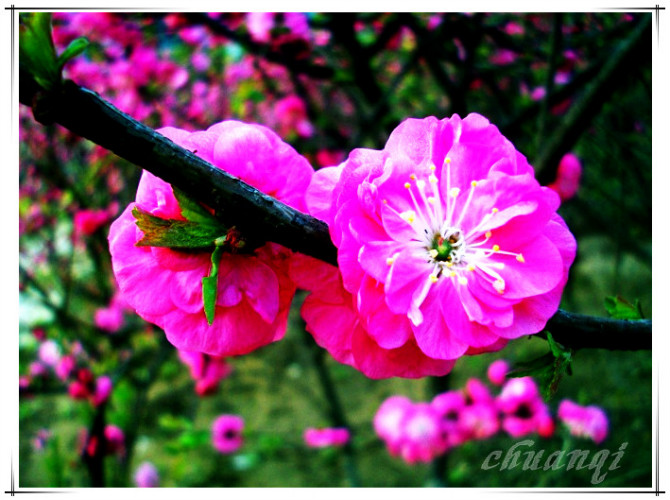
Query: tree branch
(582, 112)
(580, 331)
(258, 216)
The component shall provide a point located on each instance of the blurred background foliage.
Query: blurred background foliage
(327, 83)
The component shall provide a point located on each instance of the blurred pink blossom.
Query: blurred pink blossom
(227, 433)
(146, 475)
(497, 371)
(49, 353)
(568, 177)
(115, 439)
(206, 370)
(291, 113)
(323, 438)
(524, 411)
(584, 421)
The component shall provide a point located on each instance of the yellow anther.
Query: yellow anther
(454, 192)
(470, 267)
(412, 177)
(433, 253)
(488, 234)
(520, 258)
(390, 261)
(431, 200)
(407, 185)
(462, 280)
(433, 278)
(473, 183)
(447, 160)
(432, 179)
(432, 168)
(421, 184)
(496, 248)
(450, 264)
(385, 202)
(452, 274)
(494, 210)
(409, 216)
(499, 286)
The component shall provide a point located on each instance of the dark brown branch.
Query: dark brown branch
(581, 331)
(258, 216)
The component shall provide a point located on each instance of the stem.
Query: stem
(335, 409)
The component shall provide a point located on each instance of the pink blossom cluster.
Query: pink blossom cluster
(420, 432)
(434, 262)
(50, 363)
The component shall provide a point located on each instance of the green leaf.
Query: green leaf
(549, 369)
(620, 308)
(76, 47)
(210, 284)
(192, 210)
(173, 423)
(172, 233)
(37, 54)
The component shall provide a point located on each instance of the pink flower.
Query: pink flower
(388, 421)
(480, 420)
(412, 431)
(497, 371)
(227, 433)
(115, 440)
(332, 318)
(88, 221)
(323, 438)
(329, 158)
(584, 421)
(146, 476)
(450, 406)
(260, 24)
(49, 353)
(37, 369)
(41, 439)
(111, 318)
(254, 291)
(422, 437)
(446, 243)
(524, 411)
(568, 177)
(207, 371)
(64, 367)
(103, 388)
(292, 115)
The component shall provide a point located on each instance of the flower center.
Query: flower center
(447, 246)
(437, 214)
